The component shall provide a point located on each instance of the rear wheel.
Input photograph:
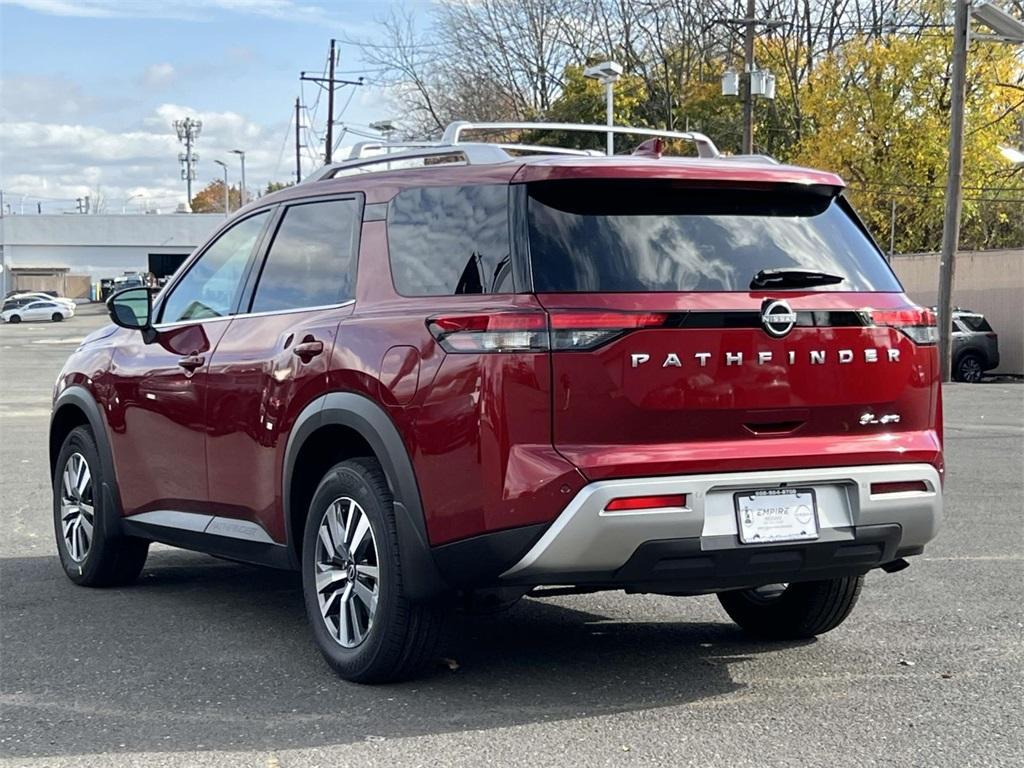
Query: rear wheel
(56, 317)
(793, 611)
(969, 368)
(91, 553)
(364, 625)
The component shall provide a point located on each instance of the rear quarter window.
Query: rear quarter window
(446, 241)
(652, 236)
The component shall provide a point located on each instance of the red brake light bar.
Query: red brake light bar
(646, 502)
(532, 331)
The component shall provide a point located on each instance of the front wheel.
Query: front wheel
(793, 611)
(14, 319)
(91, 554)
(365, 626)
(57, 317)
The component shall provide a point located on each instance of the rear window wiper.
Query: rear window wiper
(792, 278)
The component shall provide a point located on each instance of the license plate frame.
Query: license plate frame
(796, 521)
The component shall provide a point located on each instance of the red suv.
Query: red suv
(459, 369)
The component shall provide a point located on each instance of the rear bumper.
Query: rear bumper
(698, 545)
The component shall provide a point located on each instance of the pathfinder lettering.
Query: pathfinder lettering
(730, 359)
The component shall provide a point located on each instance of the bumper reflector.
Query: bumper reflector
(905, 486)
(646, 502)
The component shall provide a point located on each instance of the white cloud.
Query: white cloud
(199, 10)
(158, 75)
(61, 161)
(44, 98)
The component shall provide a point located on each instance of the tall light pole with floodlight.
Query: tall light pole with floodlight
(1007, 29)
(606, 73)
(244, 197)
(227, 204)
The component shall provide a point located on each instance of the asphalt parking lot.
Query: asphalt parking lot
(208, 663)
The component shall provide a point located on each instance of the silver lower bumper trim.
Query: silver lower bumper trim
(587, 538)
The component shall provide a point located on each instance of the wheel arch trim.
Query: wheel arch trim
(422, 580)
(77, 397)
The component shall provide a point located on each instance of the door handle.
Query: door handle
(191, 363)
(308, 349)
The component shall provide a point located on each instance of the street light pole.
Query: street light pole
(244, 197)
(609, 109)
(607, 73)
(227, 204)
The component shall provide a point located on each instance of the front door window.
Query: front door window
(211, 285)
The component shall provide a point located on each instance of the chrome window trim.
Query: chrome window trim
(204, 320)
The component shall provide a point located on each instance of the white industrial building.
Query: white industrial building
(72, 253)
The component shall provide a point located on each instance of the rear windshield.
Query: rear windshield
(975, 323)
(615, 236)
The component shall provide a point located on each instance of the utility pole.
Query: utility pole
(188, 131)
(747, 91)
(298, 142)
(1005, 29)
(330, 105)
(330, 83)
(748, 68)
(951, 217)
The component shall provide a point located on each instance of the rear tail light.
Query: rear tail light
(495, 332)
(917, 324)
(902, 486)
(534, 331)
(628, 503)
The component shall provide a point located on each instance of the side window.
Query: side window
(445, 241)
(311, 262)
(209, 287)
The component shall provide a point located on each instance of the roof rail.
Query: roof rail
(485, 153)
(705, 146)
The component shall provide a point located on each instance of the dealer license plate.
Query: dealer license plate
(776, 514)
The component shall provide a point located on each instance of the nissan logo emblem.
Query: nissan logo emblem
(777, 317)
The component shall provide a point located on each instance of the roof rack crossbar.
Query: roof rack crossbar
(705, 146)
(473, 154)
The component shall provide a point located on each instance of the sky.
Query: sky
(89, 90)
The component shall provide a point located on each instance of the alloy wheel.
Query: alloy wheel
(347, 572)
(970, 369)
(77, 507)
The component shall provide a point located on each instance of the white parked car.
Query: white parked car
(39, 310)
(45, 297)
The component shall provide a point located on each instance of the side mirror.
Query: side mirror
(133, 308)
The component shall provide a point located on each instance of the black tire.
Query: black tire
(969, 368)
(403, 636)
(109, 559)
(14, 319)
(799, 611)
(56, 317)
